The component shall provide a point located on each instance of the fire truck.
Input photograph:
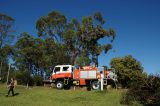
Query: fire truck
(65, 76)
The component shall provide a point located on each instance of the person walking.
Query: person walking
(11, 87)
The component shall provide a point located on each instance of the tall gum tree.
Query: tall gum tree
(6, 23)
(80, 40)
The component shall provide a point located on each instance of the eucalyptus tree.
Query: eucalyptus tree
(51, 25)
(5, 52)
(28, 56)
(6, 23)
(83, 39)
(23, 52)
(91, 31)
(78, 40)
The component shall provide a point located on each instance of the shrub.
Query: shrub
(31, 81)
(145, 91)
(23, 77)
(38, 80)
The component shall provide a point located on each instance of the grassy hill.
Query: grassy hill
(45, 96)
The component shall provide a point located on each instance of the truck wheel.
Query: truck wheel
(59, 85)
(95, 85)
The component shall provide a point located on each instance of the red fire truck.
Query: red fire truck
(64, 76)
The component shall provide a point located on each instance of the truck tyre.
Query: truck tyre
(95, 85)
(59, 85)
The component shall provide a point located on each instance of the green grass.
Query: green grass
(45, 96)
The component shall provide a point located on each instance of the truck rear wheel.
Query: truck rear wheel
(95, 85)
(59, 85)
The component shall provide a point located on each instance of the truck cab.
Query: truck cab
(62, 71)
(61, 75)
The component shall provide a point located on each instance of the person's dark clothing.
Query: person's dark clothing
(11, 88)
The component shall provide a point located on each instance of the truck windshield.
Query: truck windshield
(65, 68)
(57, 69)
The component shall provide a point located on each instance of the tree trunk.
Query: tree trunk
(27, 86)
(96, 60)
(8, 73)
(1, 71)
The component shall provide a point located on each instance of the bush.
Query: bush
(23, 77)
(145, 91)
(31, 81)
(38, 80)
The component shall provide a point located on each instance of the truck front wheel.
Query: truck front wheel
(95, 85)
(59, 85)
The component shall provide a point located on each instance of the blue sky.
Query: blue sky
(136, 22)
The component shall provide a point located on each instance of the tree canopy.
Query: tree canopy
(79, 38)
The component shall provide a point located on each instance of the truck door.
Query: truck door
(55, 72)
